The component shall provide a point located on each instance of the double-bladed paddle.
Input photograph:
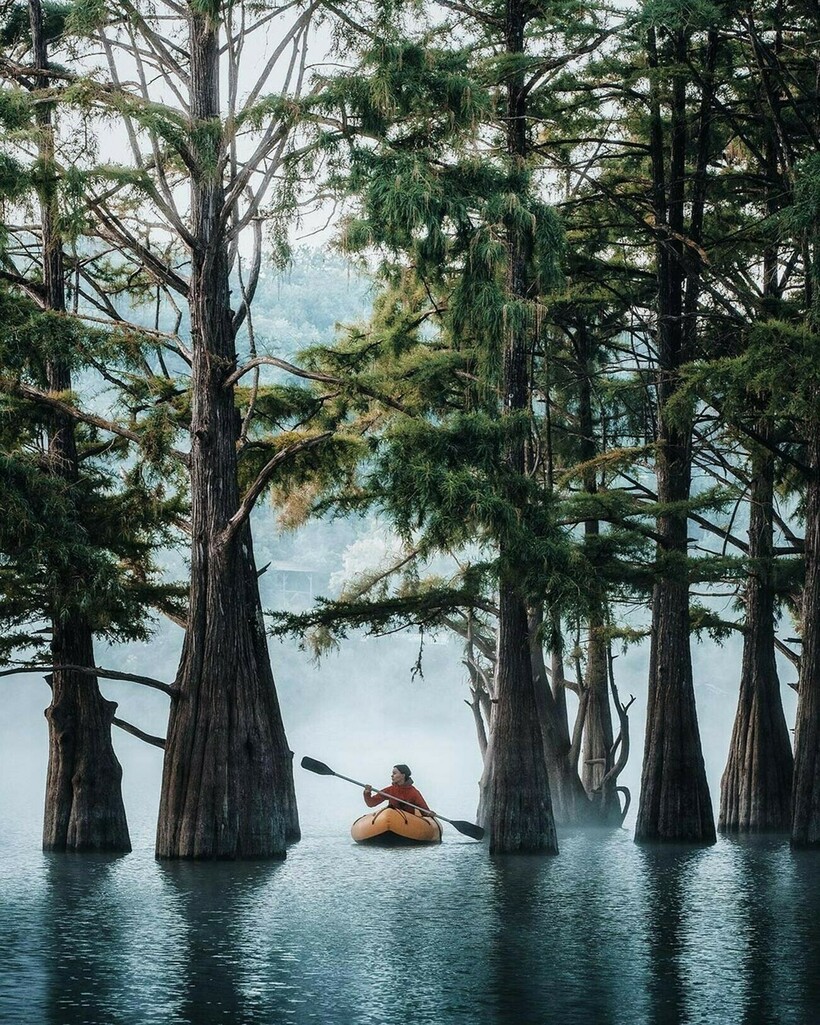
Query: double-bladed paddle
(467, 828)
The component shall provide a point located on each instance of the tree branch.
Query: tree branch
(106, 674)
(28, 392)
(135, 731)
(265, 474)
(313, 375)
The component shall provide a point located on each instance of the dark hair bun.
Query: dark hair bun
(405, 771)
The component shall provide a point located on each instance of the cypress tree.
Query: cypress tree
(674, 802)
(475, 237)
(83, 803)
(218, 135)
(87, 511)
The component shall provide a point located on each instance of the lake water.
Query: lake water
(343, 935)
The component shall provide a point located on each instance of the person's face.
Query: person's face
(396, 777)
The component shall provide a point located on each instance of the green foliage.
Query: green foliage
(85, 17)
(30, 337)
(322, 628)
(680, 15)
(15, 110)
(80, 542)
(15, 25)
(774, 377)
(15, 179)
(70, 547)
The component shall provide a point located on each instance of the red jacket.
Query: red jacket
(406, 791)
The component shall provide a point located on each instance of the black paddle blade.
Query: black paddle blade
(313, 766)
(469, 829)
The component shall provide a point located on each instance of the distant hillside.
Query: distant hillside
(302, 305)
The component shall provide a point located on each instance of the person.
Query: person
(401, 787)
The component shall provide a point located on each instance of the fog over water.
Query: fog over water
(360, 710)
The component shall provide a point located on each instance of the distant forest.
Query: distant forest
(534, 285)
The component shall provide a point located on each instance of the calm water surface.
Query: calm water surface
(343, 935)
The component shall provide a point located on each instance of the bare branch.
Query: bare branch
(135, 731)
(27, 391)
(312, 375)
(106, 674)
(265, 474)
(296, 29)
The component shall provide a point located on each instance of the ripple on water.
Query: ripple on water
(343, 935)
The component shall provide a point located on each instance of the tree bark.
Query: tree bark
(227, 789)
(806, 786)
(598, 735)
(598, 739)
(84, 809)
(675, 803)
(571, 806)
(519, 813)
(518, 809)
(757, 782)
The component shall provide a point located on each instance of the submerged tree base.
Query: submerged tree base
(84, 810)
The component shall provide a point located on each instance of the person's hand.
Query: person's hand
(368, 789)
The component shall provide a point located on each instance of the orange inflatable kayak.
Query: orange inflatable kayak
(390, 827)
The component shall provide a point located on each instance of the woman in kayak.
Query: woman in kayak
(401, 787)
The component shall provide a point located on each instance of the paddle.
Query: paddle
(476, 832)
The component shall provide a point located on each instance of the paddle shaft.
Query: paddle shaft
(390, 797)
(468, 828)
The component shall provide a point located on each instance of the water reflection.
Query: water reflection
(565, 947)
(214, 952)
(764, 885)
(667, 908)
(341, 935)
(798, 960)
(79, 933)
(405, 935)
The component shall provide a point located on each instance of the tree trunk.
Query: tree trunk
(757, 782)
(571, 806)
(519, 808)
(598, 739)
(558, 687)
(598, 736)
(755, 794)
(806, 788)
(516, 790)
(227, 788)
(675, 803)
(84, 810)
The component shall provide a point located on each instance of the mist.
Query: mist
(361, 709)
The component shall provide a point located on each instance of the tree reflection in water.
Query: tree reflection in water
(564, 949)
(666, 905)
(218, 957)
(606, 933)
(88, 933)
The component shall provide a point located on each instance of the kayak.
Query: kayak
(390, 827)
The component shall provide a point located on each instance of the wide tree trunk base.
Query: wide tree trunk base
(227, 789)
(756, 789)
(84, 810)
(675, 804)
